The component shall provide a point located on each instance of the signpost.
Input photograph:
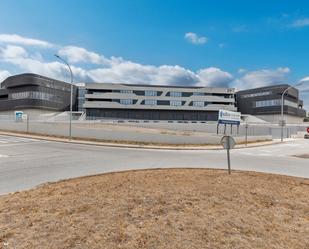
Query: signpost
(228, 118)
(307, 129)
(228, 143)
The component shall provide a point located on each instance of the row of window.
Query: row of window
(36, 95)
(251, 95)
(274, 102)
(155, 102)
(171, 94)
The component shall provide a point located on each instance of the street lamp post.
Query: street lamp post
(71, 95)
(282, 104)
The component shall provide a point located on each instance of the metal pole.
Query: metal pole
(247, 126)
(282, 103)
(228, 156)
(71, 94)
(28, 123)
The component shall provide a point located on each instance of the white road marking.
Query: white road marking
(3, 156)
(10, 140)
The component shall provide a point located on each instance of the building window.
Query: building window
(37, 95)
(175, 94)
(290, 103)
(198, 103)
(126, 101)
(151, 93)
(251, 95)
(150, 102)
(175, 103)
(126, 91)
(198, 94)
(265, 103)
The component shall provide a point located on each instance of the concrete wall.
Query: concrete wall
(274, 118)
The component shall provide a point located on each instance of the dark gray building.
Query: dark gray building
(152, 102)
(265, 103)
(36, 94)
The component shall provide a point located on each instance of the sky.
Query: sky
(242, 44)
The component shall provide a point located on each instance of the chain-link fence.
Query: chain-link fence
(145, 131)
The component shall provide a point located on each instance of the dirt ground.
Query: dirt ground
(160, 209)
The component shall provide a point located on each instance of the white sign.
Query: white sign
(229, 117)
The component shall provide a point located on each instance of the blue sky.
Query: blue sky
(240, 44)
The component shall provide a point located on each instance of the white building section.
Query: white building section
(107, 100)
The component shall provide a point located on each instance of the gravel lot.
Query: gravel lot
(171, 208)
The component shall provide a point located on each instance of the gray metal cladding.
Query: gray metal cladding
(35, 91)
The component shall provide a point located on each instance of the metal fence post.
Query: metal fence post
(28, 123)
(247, 126)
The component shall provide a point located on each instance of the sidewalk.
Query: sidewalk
(138, 145)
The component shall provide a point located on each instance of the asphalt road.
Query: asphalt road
(25, 163)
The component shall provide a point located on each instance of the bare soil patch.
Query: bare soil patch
(160, 209)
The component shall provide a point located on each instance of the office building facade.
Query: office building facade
(150, 102)
(36, 94)
(265, 103)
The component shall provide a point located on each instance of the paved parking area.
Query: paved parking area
(25, 163)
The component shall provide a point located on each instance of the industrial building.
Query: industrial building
(151, 102)
(265, 103)
(35, 94)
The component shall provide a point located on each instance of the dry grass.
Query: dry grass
(175, 208)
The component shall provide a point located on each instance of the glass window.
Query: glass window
(126, 101)
(126, 91)
(251, 95)
(265, 103)
(175, 103)
(198, 103)
(175, 94)
(150, 102)
(150, 93)
(198, 94)
(36, 95)
(290, 103)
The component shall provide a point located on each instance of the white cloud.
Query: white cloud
(113, 69)
(4, 74)
(195, 39)
(11, 51)
(78, 54)
(242, 70)
(299, 23)
(17, 39)
(213, 76)
(261, 78)
(129, 72)
(305, 79)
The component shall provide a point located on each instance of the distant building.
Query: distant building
(35, 94)
(151, 102)
(265, 103)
